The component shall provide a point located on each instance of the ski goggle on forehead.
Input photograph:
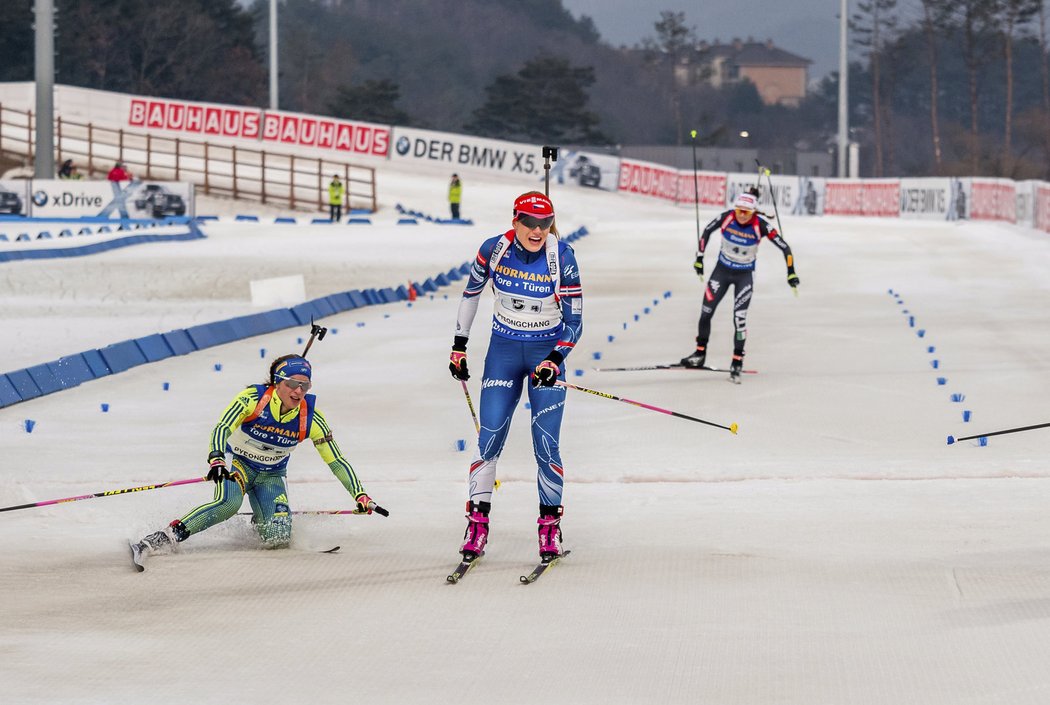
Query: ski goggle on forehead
(296, 383)
(531, 221)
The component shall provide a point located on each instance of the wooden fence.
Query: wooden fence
(236, 172)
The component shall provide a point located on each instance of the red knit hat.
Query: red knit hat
(533, 203)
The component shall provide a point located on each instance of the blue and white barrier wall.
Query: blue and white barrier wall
(73, 370)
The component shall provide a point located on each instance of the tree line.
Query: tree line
(936, 86)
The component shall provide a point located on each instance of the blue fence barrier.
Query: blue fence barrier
(72, 370)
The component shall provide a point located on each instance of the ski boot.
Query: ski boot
(477, 534)
(549, 532)
(166, 539)
(696, 359)
(736, 367)
(158, 542)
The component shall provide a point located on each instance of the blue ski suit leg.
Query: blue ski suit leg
(508, 365)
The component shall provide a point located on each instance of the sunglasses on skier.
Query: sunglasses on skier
(294, 384)
(531, 221)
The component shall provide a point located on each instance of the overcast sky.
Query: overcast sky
(810, 28)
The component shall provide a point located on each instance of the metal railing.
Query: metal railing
(220, 170)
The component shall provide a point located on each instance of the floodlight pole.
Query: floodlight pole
(44, 161)
(273, 54)
(843, 139)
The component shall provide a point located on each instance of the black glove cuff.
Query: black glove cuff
(556, 357)
(459, 343)
(216, 454)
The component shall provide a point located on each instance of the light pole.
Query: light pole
(44, 163)
(273, 54)
(843, 92)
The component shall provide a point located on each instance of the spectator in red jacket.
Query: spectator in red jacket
(119, 173)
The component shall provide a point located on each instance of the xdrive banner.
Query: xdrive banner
(108, 199)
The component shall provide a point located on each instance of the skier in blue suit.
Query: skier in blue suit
(537, 320)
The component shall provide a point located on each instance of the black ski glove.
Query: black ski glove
(217, 470)
(546, 373)
(457, 359)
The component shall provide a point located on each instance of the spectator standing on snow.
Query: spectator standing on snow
(335, 199)
(455, 195)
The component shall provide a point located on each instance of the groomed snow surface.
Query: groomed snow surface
(836, 551)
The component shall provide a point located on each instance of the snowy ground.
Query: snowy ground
(834, 551)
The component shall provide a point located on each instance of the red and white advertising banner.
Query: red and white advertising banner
(870, 197)
(993, 199)
(708, 186)
(274, 127)
(648, 179)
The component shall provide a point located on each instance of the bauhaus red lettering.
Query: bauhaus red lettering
(344, 137)
(155, 118)
(362, 139)
(176, 116)
(271, 127)
(212, 121)
(137, 113)
(325, 133)
(381, 143)
(251, 125)
(231, 122)
(307, 131)
(194, 118)
(289, 129)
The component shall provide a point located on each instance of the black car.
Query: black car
(159, 201)
(10, 203)
(586, 172)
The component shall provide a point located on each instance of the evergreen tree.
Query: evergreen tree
(193, 49)
(372, 101)
(674, 41)
(544, 102)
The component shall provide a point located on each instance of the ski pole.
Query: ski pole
(953, 439)
(316, 331)
(776, 212)
(107, 493)
(732, 428)
(470, 405)
(477, 426)
(696, 186)
(375, 508)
